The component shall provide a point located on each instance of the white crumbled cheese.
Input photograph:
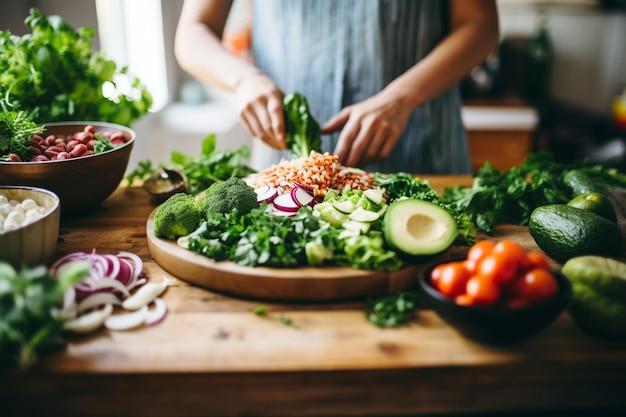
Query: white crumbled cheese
(15, 214)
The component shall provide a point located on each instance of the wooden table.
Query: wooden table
(213, 356)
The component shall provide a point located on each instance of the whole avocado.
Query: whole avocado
(564, 232)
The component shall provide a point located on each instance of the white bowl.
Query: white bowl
(33, 243)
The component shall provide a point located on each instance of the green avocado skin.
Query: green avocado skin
(564, 232)
(596, 313)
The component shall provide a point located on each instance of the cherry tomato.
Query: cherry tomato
(435, 274)
(538, 260)
(453, 279)
(483, 290)
(480, 249)
(536, 285)
(498, 267)
(464, 300)
(513, 250)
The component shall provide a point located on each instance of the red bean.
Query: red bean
(78, 150)
(39, 158)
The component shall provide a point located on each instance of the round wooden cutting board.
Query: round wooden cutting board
(289, 284)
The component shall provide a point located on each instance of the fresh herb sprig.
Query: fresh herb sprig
(16, 129)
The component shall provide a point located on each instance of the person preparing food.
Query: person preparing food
(382, 74)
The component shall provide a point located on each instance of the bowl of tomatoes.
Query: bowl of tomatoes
(499, 293)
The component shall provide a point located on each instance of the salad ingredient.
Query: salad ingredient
(225, 196)
(209, 166)
(302, 132)
(266, 194)
(90, 321)
(564, 232)
(157, 314)
(30, 299)
(286, 202)
(416, 227)
(177, 216)
(598, 304)
(146, 294)
(317, 172)
(17, 213)
(597, 202)
(510, 197)
(127, 321)
(394, 309)
(495, 274)
(16, 130)
(54, 75)
(404, 185)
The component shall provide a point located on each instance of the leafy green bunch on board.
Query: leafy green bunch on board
(15, 133)
(497, 197)
(29, 303)
(209, 166)
(302, 132)
(53, 74)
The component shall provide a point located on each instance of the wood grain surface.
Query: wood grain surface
(213, 356)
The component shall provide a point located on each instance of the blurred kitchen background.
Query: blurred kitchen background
(556, 82)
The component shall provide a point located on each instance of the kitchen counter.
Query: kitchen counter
(213, 356)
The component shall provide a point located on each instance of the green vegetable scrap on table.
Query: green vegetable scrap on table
(30, 301)
(302, 132)
(53, 74)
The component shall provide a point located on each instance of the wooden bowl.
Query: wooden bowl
(82, 183)
(34, 243)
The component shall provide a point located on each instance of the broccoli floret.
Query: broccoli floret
(178, 216)
(226, 196)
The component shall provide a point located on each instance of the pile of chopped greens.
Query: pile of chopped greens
(53, 75)
(510, 197)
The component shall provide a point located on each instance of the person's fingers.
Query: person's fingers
(277, 121)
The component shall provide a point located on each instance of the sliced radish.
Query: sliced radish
(301, 196)
(305, 187)
(262, 189)
(267, 196)
(157, 314)
(285, 202)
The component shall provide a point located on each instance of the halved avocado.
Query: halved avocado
(417, 228)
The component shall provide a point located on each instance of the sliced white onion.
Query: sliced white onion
(126, 321)
(146, 294)
(157, 314)
(90, 321)
(98, 299)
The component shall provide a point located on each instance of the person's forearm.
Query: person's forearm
(200, 52)
(471, 40)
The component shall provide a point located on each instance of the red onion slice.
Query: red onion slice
(157, 314)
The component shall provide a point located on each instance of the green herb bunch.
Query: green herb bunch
(53, 75)
(15, 133)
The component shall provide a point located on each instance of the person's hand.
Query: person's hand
(370, 131)
(260, 106)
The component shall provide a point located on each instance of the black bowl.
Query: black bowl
(496, 325)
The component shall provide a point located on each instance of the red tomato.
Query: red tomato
(483, 290)
(536, 285)
(435, 274)
(538, 260)
(464, 300)
(453, 279)
(513, 250)
(480, 249)
(498, 267)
